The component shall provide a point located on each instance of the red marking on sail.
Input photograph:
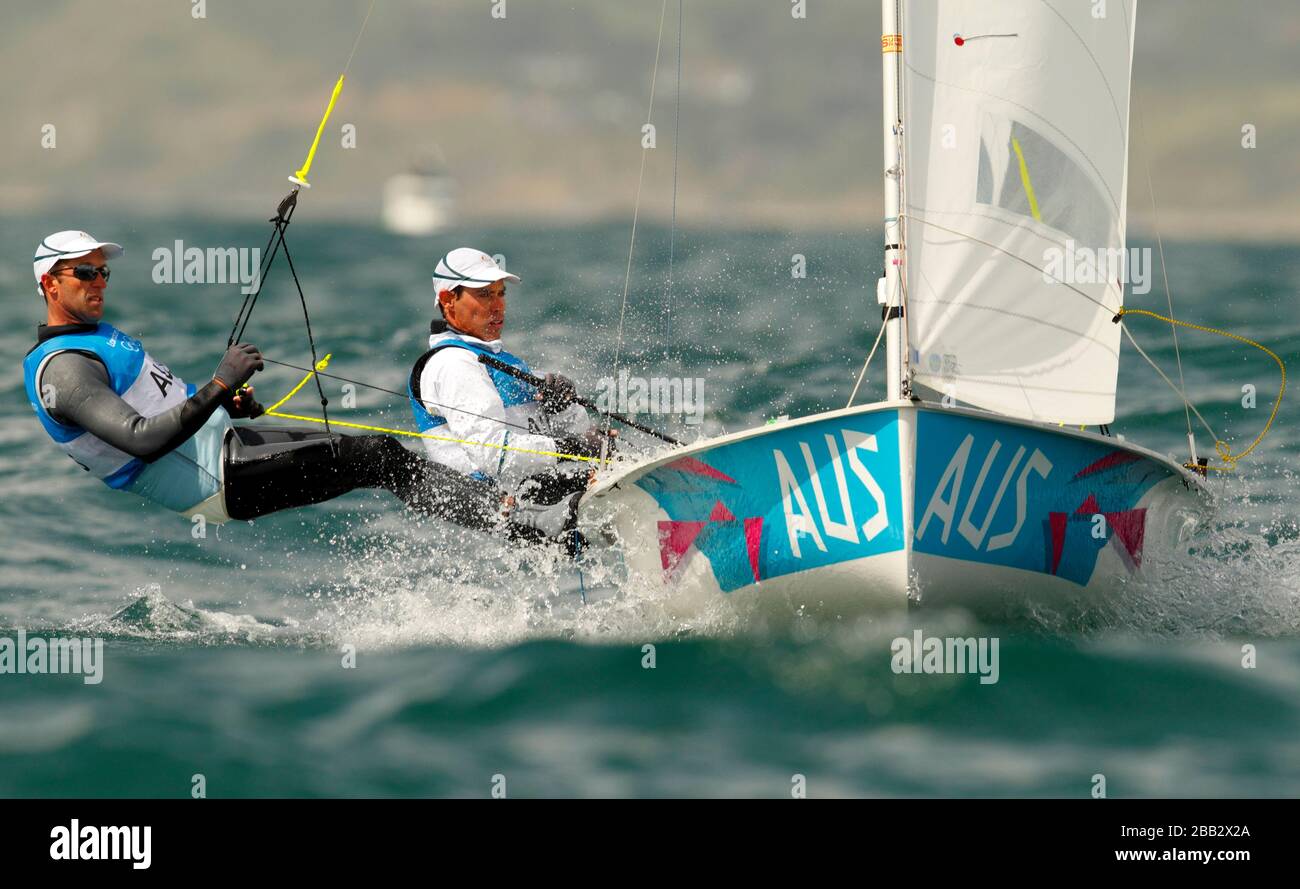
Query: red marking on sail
(675, 538)
(1111, 460)
(721, 513)
(753, 535)
(1089, 506)
(1130, 528)
(696, 467)
(962, 41)
(1057, 521)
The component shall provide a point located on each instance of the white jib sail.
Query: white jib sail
(1015, 179)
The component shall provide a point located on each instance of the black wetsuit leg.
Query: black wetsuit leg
(272, 468)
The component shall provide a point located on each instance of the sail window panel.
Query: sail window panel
(1023, 172)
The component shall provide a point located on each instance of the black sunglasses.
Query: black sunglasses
(87, 272)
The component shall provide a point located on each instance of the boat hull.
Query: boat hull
(894, 503)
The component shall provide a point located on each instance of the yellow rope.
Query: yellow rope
(324, 362)
(1221, 447)
(320, 365)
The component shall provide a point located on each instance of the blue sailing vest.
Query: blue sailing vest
(512, 391)
(180, 479)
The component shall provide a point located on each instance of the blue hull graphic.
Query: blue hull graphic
(789, 500)
(1011, 495)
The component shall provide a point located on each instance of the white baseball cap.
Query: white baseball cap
(469, 267)
(67, 245)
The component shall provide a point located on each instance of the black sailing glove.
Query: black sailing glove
(241, 405)
(588, 444)
(556, 393)
(238, 366)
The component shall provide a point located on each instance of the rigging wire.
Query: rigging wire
(324, 362)
(311, 340)
(636, 206)
(273, 411)
(863, 372)
(1221, 447)
(357, 42)
(341, 379)
(1165, 376)
(283, 212)
(1164, 273)
(672, 226)
(281, 222)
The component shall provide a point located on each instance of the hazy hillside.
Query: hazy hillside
(538, 114)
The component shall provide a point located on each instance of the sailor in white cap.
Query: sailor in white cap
(129, 420)
(478, 412)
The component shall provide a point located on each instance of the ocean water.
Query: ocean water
(224, 656)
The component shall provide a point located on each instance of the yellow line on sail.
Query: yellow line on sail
(1024, 178)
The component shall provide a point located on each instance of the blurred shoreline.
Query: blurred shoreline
(537, 118)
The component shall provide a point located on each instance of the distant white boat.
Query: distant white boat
(1006, 138)
(419, 202)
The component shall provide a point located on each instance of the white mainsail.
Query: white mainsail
(1015, 169)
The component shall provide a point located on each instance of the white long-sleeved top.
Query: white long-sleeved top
(456, 386)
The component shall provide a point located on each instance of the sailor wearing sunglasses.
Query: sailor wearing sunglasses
(130, 421)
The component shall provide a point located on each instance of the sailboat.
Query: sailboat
(989, 470)
(420, 201)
